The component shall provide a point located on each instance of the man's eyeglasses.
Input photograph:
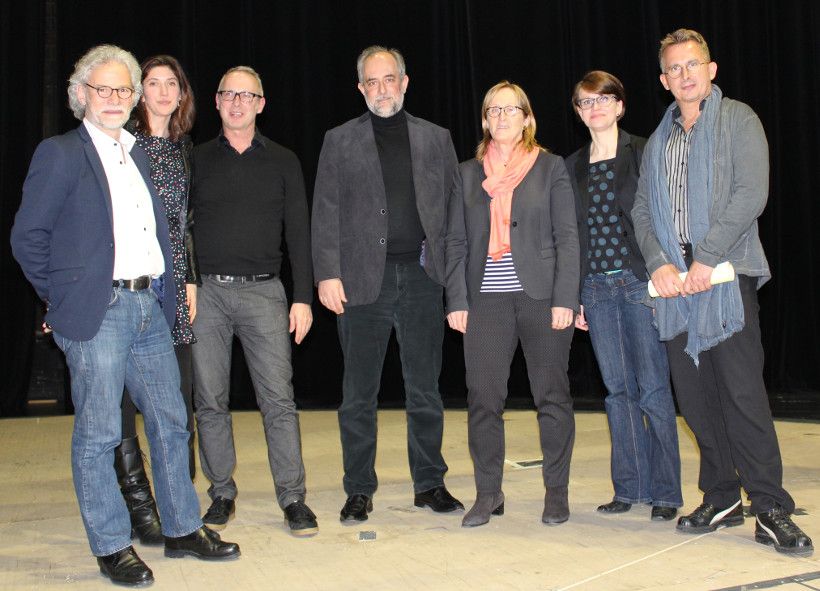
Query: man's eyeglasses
(245, 96)
(106, 91)
(604, 100)
(509, 111)
(676, 70)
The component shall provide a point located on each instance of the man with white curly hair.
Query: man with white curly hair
(91, 237)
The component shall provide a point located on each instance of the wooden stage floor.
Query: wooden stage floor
(43, 545)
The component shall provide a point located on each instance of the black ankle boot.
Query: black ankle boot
(136, 490)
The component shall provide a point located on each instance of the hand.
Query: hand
(190, 299)
(581, 321)
(332, 295)
(698, 279)
(46, 328)
(458, 320)
(561, 318)
(301, 318)
(667, 282)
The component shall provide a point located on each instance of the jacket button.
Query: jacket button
(382, 211)
(110, 245)
(625, 234)
(514, 224)
(382, 240)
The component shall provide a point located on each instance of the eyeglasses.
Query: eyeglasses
(106, 91)
(676, 70)
(245, 96)
(509, 111)
(604, 100)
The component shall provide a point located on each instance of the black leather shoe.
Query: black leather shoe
(356, 508)
(203, 543)
(556, 505)
(126, 568)
(301, 520)
(663, 513)
(438, 499)
(775, 528)
(614, 507)
(218, 514)
(136, 491)
(708, 518)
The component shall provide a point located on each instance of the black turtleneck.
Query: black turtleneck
(404, 230)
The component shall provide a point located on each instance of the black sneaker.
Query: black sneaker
(708, 518)
(218, 514)
(301, 520)
(776, 528)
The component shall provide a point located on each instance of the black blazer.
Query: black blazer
(543, 234)
(627, 166)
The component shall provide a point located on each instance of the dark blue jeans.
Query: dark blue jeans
(645, 460)
(411, 303)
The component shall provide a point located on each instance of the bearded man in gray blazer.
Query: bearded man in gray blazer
(379, 213)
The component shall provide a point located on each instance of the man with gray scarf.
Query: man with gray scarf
(703, 184)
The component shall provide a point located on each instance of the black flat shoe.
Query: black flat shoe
(614, 507)
(301, 520)
(708, 518)
(356, 508)
(438, 499)
(203, 543)
(126, 568)
(663, 513)
(219, 513)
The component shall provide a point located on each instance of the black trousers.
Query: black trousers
(724, 401)
(495, 324)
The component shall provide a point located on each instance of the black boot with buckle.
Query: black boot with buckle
(136, 490)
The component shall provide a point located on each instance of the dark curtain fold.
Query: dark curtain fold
(768, 55)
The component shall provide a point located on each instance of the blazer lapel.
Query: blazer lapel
(370, 157)
(97, 167)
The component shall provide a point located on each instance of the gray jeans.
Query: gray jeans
(257, 313)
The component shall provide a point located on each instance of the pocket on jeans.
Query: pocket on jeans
(115, 296)
(637, 292)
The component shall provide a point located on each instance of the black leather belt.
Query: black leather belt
(241, 278)
(137, 284)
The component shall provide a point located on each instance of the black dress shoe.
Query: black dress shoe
(218, 514)
(438, 499)
(663, 513)
(614, 507)
(301, 520)
(775, 528)
(708, 518)
(356, 508)
(203, 543)
(126, 568)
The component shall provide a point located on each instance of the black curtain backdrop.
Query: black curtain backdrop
(767, 52)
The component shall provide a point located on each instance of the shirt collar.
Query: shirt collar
(258, 141)
(127, 139)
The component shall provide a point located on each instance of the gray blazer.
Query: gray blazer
(543, 234)
(349, 227)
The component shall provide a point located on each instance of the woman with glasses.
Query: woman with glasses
(512, 275)
(645, 463)
(161, 121)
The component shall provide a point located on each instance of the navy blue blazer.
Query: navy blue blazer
(63, 234)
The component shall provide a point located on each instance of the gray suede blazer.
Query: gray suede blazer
(543, 234)
(349, 227)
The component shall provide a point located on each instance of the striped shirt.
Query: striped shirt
(500, 275)
(677, 165)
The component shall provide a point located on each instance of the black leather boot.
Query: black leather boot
(136, 490)
(192, 456)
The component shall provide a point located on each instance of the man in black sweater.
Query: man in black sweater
(245, 189)
(379, 210)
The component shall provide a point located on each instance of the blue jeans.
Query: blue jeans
(133, 348)
(645, 458)
(411, 303)
(256, 313)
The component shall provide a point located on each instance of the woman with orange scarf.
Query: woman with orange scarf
(512, 275)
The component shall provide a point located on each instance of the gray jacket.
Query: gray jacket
(543, 234)
(740, 190)
(349, 228)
